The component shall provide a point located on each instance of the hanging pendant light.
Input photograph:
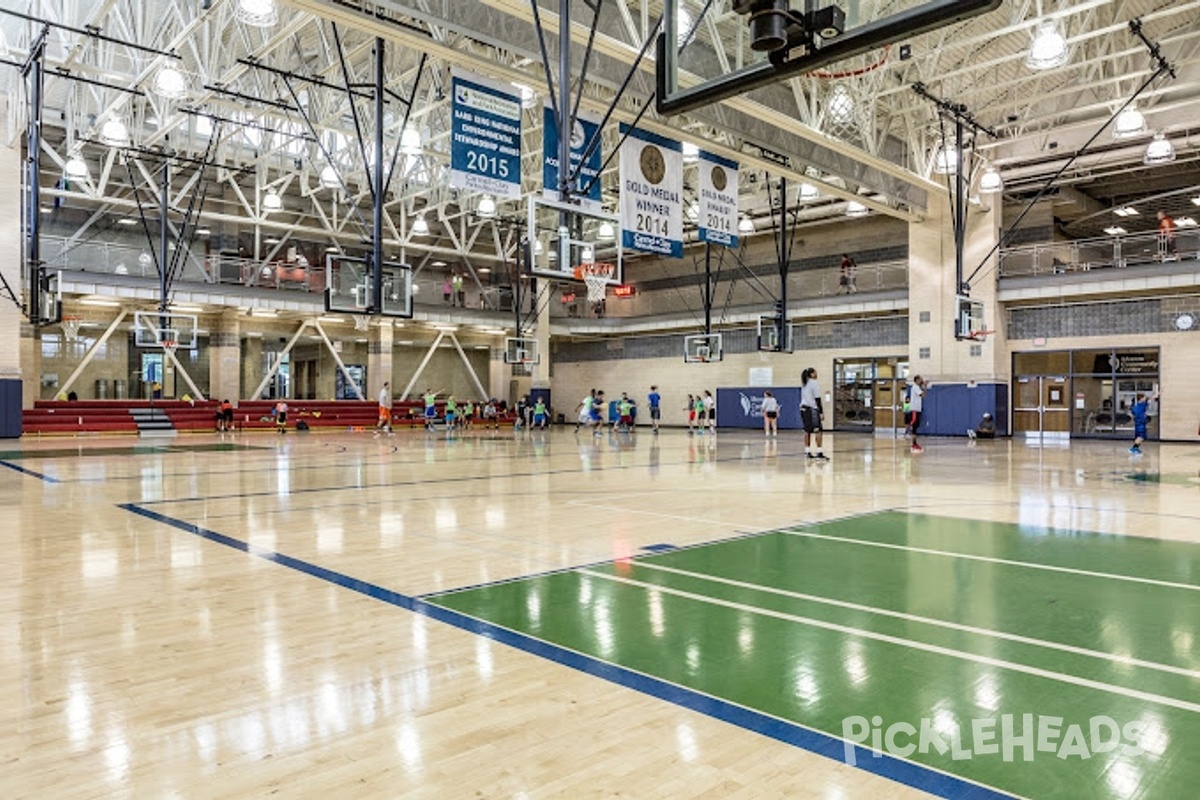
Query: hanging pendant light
(487, 207)
(114, 133)
(420, 227)
(329, 177)
(1049, 48)
(1129, 123)
(410, 141)
(945, 161)
(745, 225)
(990, 182)
(272, 201)
(76, 168)
(257, 13)
(170, 83)
(856, 209)
(1159, 151)
(606, 233)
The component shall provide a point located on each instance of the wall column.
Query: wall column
(10, 315)
(379, 358)
(933, 350)
(224, 354)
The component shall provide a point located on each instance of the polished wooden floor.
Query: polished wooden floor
(242, 616)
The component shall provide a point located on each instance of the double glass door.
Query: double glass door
(1042, 404)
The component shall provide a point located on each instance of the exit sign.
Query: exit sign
(624, 290)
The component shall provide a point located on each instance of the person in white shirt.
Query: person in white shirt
(770, 409)
(710, 410)
(811, 411)
(385, 409)
(916, 404)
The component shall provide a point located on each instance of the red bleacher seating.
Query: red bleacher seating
(112, 416)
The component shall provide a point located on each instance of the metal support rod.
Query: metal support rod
(1050, 184)
(376, 303)
(337, 359)
(92, 32)
(421, 367)
(93, 350)
(170, 353)
(483, 393)
(164, 196)
(271, 373)
(708, 288)
(362, 145)
(541, 34)
(785, 258)
(594, 142)
(33, 200)
(960, 208)
(565, 120)
(408, 107)
(587, 56)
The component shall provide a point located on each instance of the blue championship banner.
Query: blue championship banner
(651, 193)
(585, 128)
(485, 136)
(718, 200)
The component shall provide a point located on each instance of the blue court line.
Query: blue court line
(37, 475)
(908, 773)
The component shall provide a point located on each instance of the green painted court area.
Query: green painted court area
(958, 628)
(133, 450)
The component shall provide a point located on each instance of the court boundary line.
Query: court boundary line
(890, 767)
(992, 560)
(957, 626)
(23, 470)
(962, 655)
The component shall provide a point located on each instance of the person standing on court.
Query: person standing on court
(770, 409)
(846, 281)
(654, 399)
(385, 410)
(916, 404)
(430, 408)
(710, 410)
(811, 410)
(1141, 421)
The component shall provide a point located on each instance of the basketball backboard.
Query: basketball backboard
(152, 329)
(563, 238)
(520, 350)
(776, 39)
(968, 318)
(702, 348)
(773, 336)
(49, 309)
(349, 287)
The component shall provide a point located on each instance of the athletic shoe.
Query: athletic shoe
(822, 457)
(970, 433)
(916, 448)
(810, 455)
(1135, 450)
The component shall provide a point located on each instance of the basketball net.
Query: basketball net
(596, 276)
(70, 329)
(362, 322)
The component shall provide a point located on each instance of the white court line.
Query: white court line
(1061, 677)
(991, 560)
(1083, 651)
(720, 699)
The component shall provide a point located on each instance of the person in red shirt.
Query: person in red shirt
(1166, 235)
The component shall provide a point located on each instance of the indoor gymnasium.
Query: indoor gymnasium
(611, 398)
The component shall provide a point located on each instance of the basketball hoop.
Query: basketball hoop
(70, 328)
(596, 276)
(979, 336)
(169, 345)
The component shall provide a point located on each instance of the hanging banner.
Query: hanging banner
(718, 200)
(585, 127)
(651, 193)
(485, 135)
